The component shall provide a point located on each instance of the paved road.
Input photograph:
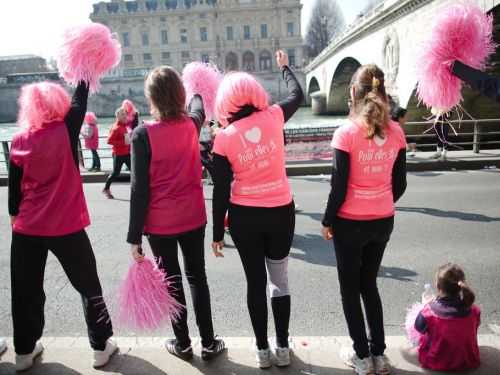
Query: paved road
(452, 216)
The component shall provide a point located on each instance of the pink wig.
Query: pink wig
(90, 118)
(202, 79)
(236, 91)
(460, 32)
(87, 53)
(130, 109)
(41, 103)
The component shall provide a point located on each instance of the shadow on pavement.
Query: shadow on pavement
(465, 216)
(127, 364)
(50, 368)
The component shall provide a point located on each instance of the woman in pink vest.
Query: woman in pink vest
(167, 203)
(449, 324)
(90, 134)
(369, 176)
(250, 153)
(48, 212)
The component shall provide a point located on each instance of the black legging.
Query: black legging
(28, 258)
(259, 233)
(359, 248)
(118, 161)
(442, 130)
(193, 251)
(96, 161)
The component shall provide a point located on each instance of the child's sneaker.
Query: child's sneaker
(25, 361)
(107, 194)
(361, 366)
(217, 347)
(381, 365)
(101, 357)
(263, 358)
(175, 349)
(3, 346)
(282, 356)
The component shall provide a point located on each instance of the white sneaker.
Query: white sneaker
(437, 155)
(25, 361)
(3, 346)
(263, 358)
(101, 357)
(443, 156)
(361, 366)
(382, 366)
(282, 356)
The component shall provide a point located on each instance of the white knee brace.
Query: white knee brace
(277, 271)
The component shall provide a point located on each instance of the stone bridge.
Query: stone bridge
(390, 37)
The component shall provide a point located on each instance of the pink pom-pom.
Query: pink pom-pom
(90, 118)
(461, 32)
(42, 103)
(411, 315)
(145, 301)
(130, 108)
(87, 53)
(202, 79)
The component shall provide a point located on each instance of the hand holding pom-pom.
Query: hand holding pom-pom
(87, 53)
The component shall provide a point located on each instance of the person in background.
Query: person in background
(119, 139)
(368, 177)
(449, 324)
(399, 115)
(90, 134)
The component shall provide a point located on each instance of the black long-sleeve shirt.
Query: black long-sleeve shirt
(74, 121)
(222, 172)
(487, 85)
(139, 177)
(340, 177)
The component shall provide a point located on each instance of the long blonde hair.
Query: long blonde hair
(370, 102)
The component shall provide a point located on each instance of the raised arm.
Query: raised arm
(487, 85)
(196, 111)
(75, 116)
(291, 104)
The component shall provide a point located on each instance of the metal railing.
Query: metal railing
(479, 135)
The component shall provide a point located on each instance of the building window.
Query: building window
(205, 58)
(246, 32)
(163, 19)
(164, 37)
(184, 37)
(126, 40)
(147, 58)
(185, 54)
(290, 29)
(231, 61)
(263, 31)
(229, 33)
(165, 56)
(145, 39)
(265, 61)
(128, 58)
(203, 34)
(249, 61)
(291, 57)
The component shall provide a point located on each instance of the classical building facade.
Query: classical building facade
(234, 34)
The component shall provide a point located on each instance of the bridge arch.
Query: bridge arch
(338, 95)
(313, 86)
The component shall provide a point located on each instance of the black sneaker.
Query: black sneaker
(175, 349)
(217, 347)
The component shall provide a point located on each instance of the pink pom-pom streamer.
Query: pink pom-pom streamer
(202, 79)
(88, 52)
(90, 118)
(461, 32)
(145, 301)
(411, 315)
(42, 103)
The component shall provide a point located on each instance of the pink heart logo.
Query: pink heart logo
(253, 135)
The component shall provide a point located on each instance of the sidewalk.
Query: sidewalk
(146, 356)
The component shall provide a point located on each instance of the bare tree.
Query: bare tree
(327, 20)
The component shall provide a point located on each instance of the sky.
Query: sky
(35, 26)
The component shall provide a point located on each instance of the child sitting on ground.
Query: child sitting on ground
(449, 324)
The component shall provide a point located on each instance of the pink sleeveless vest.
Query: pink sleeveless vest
(176, 202)
(450, 344)
(52, 202)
